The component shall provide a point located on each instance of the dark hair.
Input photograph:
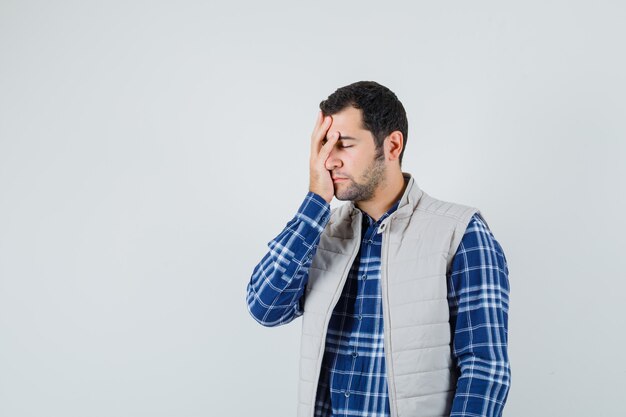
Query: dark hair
(382, 111)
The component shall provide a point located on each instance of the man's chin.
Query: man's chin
(343, 195)
(352, 193)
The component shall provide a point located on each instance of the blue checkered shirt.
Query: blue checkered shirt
(353, 379)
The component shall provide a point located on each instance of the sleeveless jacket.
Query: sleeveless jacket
(420, 240)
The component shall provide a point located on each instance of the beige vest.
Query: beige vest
(419, 241)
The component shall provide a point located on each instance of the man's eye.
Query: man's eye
(347, 146)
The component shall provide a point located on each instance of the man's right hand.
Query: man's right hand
(320, 180)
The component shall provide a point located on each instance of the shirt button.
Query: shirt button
(364, 277)
(360, 317)
(347, 394)
(354, 354)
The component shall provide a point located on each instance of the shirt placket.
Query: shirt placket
(367, 243)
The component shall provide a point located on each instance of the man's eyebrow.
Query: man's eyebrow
(347, 138)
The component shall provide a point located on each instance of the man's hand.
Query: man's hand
(320, 181)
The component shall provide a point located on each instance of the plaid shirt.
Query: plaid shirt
(353, 379)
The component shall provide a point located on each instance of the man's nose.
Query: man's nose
(333, 161)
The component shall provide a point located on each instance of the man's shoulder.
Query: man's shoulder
(445, 209)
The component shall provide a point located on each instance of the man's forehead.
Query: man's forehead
(349, 123)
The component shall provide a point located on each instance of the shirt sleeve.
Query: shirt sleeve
(478, 294)
(278, 281)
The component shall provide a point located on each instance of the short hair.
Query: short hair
(381, 110)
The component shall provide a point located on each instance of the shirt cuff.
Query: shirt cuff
(314, 211)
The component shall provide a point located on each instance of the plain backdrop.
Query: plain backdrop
(149, 150)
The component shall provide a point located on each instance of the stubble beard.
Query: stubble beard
(375, 175)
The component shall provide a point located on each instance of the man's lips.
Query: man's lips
(338, 179)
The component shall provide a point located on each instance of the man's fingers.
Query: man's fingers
(328, 146)
(320, 132)
(318, 123)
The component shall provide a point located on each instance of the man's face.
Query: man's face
(356, 166)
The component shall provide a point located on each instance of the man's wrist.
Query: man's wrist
(314, 210)
(321, 195)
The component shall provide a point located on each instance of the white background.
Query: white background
(149, 150)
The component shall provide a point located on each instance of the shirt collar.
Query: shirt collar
(367, 220)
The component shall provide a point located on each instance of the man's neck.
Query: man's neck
(385, 196)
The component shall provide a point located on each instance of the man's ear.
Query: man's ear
(394, 143)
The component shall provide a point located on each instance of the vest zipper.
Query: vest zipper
(391, 386)
(329, 315)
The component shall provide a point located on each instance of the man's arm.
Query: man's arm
(478, 294)
(277, 284)
(278, 281)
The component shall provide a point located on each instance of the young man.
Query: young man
(404, 297)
